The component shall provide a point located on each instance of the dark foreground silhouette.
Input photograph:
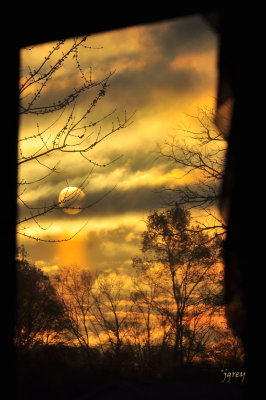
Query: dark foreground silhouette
(64, 373)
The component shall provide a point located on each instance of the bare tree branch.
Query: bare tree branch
(71, 130)
(201, 152)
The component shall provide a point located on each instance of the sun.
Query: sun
(71, 200)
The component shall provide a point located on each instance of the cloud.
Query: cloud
(136, 199)
(108, 244)
(162, 71)
(152, 86)
(196, 61)
(183, 35)
(47, 269)
(141, 57)
(132, 185)
(114, 248)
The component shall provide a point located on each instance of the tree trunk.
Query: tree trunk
(178, 355)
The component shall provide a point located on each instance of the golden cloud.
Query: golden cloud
(205, 61)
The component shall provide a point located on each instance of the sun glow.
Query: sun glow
(72, 252)
(71, 200)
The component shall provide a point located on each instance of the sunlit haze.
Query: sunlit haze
(162, 73)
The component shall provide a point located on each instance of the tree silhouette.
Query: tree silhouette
(228, 351)
(201, 152)
(74, 287)
(65, 124)
(109, 310)
(144, 297)
(188, 259)
(39, 313)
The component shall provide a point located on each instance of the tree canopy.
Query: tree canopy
(39, 312)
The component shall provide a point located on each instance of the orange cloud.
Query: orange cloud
(199, 61)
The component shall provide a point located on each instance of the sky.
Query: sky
(162, 73)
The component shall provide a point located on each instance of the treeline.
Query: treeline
(167, 315)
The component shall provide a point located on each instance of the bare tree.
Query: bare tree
(144, 297)
(199, 331)
(63, 125)
(201, 152)
(188, 259)
(228, 351)
(110, 310)
(74, 288)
